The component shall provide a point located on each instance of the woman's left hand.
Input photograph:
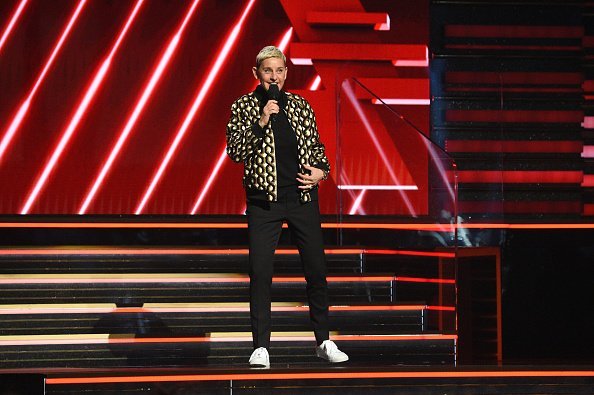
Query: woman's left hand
(310, 181)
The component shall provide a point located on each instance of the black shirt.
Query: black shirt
(285, 142)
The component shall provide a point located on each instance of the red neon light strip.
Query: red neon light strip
(441, 308)
(319, 375)
(213, 174)
(13, 21)
(173, 280)
(82, 108)
(231, 38)
(325, 225)
(20, 115)
(146, 94)
(46, 340)
(425, 280)
(214, 309)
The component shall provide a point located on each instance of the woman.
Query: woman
(274, 134)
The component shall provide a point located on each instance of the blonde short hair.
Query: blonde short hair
(269, 52)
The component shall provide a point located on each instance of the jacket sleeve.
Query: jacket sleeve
(318, 150)
(241, 135)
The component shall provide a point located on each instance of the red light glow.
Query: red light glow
(231, 39)
(140, 105)
(20, 115)
(13, 21)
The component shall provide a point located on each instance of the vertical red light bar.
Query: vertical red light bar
(82, 108)
(148, 90)
(20, 115)
(284, 42)
(229, 42)
(13, 21)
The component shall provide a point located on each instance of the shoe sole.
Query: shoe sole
(329, 361)
(259, 366)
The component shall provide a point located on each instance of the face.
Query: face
(271, 70)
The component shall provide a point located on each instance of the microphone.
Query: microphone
(273, 94)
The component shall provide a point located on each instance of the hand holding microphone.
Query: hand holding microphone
(271, 108)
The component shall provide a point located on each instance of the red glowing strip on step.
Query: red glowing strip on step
(74, 121)
(174, 280)
(214, 309)
(214, 70)
(20, 115)
(441, 308)
(326, 225)
(355, 375)
(140, 104)
(223, 339)
(13, 21)
(425, 280)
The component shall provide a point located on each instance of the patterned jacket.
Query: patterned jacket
(247, 144)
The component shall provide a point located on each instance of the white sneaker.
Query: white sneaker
(260, 358)
(330, 352)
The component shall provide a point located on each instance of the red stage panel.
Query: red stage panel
(378, 20)
(304, 53)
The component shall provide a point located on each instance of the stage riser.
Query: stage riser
(135, 294)
(212, 263)
(197, 324)
(331, 387)
(428, 292)
(482, 386)
(126, 279)
(409, 352)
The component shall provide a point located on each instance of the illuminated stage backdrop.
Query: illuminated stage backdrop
(120, 107)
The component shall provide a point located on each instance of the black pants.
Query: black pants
(264, 228)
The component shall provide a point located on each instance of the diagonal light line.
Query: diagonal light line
(148, 90)
(215, 69)
(284, 42)
(13, 21)
(20, 115)
(82, 108)
(315, 84)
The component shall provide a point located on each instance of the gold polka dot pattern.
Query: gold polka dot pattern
(257, 153)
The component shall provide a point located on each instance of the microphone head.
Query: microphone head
(273, 92)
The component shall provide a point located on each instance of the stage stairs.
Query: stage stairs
(96, 307)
